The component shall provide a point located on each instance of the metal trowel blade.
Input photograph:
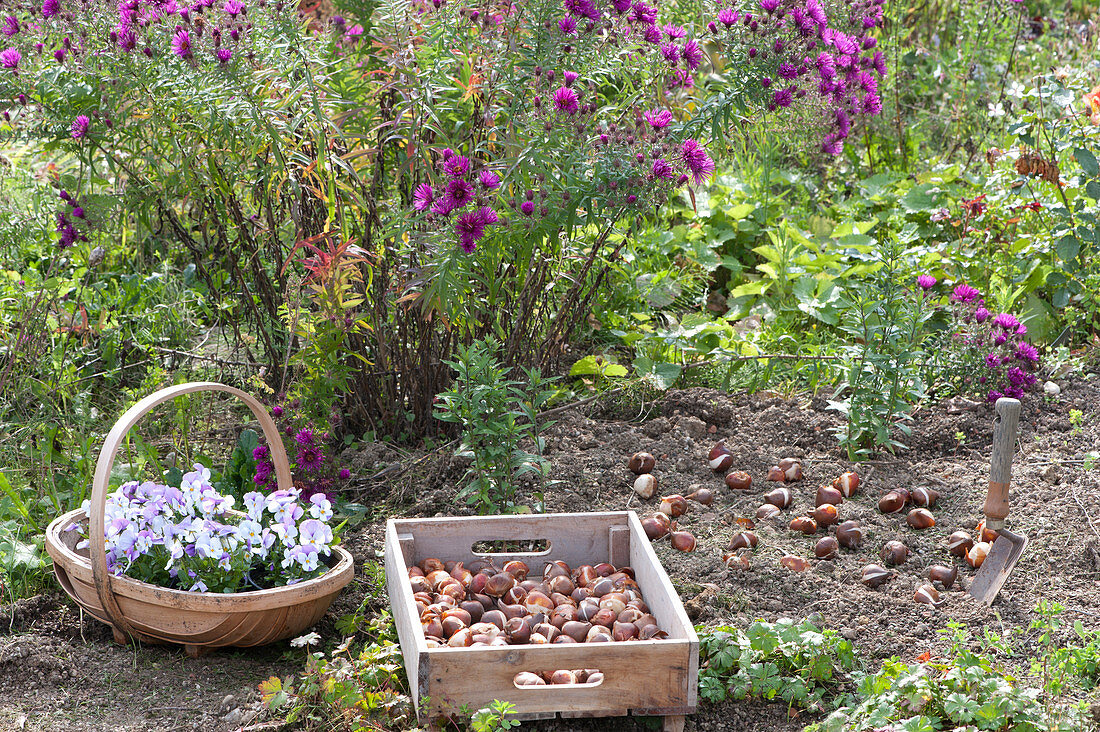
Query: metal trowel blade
(998, 564)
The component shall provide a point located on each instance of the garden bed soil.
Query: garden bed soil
(59, 673)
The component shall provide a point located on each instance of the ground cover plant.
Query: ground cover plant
(472, 254)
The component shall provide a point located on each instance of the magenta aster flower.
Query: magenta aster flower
(460, 192)
(567, 25)
(674, 32)
(527, 208)
(423, 197)
(304, 437)
(783, 97)
(692, 54)
(10, 59)
(456, 165)
(728, 16)
(181, 44)
(696, 159)
(344, 473)
(488, 180)
(570, 77)
(565, 100)
(1006, 321)
(443, 205)
(470, 227)
(671, 52)
(310, 459)
(658, 118)
(79, 127)
(10, 26)
(652, 34)
(233, 7)
(50, 8)
(643, 14)
(926, 282)
(769, 6)
(981, 315)
(224, 55)
(661, 170)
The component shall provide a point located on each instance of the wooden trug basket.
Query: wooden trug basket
(653, 677)
(199, 621)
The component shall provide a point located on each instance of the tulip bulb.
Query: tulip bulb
(894, 552)
(959, 543)
(925, 496)
(825, 514)
(826, 547)
(987, 535)
(920, 518)
(645, 485)
(828, 494)
(526, 678)
(777, 474)
(517, 569)
(739, 480)
(794, 563)
(927, 594)
(743, 540)
(720, 458)
(705, 496)
(874, 575)
(498, 584)
(641, 463)
(787, 463)
(849, 534)
(805, 524)
(780, 497)
(682, 541)
(656, 528)
(891, 502)
(563, 677)
(944, 575)
(847, 484)
(674, 505)
(735, 561)
(793, 473)
(977, 554)
(428, 566)
(767, 511)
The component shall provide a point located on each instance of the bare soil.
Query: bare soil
(59, 672)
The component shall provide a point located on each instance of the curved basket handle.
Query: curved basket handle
(106, 461)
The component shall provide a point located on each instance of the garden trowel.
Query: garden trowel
(1008, 547)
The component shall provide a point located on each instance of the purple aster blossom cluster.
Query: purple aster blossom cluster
(986, 354)
(461, 197)
(817, 57)
(188, 537)
(314, 467)
(68, 220)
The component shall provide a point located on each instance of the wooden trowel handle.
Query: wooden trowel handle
(1000, 473)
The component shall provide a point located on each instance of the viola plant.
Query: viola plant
(189, 538)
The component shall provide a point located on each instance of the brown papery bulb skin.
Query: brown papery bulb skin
(805, 524)
(735, 561)
(828, 494)
(946, 576)
(787, 463)
(704, 496)
(794, 563)
(826, 547)
(891, 502)
(927, 594)
(874, 575)
(987, 535)
(926, 497)
(849, 534)
(527, 678)
(847, 484)
(793, 473)
(826, 514)
(894, 552)
(920, 518)
(654, 528)
(720, 458)
(640, 463)
(959, 543)
(517, 569)
(776, 474)
(767, 511)
(562, 676)
(682, 541)
(779, 497)
(674, 505)
(739, 480)
(743, 540)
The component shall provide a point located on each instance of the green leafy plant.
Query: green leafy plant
(885, 322)
(795, 662)
(497, 415)
(494, 717)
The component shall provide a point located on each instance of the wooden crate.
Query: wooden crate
(654, 677)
